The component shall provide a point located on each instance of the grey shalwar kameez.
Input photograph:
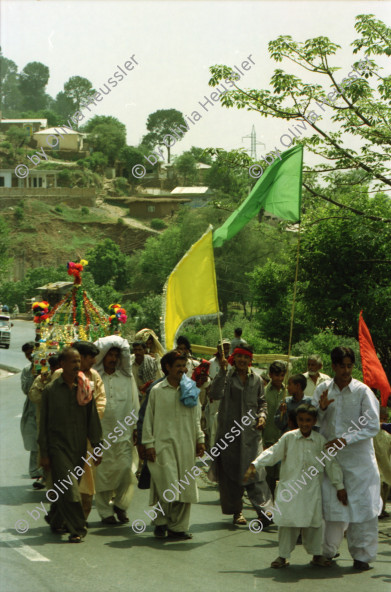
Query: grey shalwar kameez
(237, 399)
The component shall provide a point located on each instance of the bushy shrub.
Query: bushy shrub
(85, 211)
(65, 178)
(150, 313)
(207, 333)
(95, 162)
(157, 224)
(58, 209)
(121, 185)
(322, 343)
(19, 213)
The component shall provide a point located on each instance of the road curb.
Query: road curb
(10, 369)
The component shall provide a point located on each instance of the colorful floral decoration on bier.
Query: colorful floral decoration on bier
(75, 317)
(75, 269)
(41, 310)
(118, 316)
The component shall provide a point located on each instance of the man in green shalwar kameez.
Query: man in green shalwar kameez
(67, 420)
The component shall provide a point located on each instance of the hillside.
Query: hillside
(42, 234)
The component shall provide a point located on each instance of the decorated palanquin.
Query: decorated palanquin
(76, 317)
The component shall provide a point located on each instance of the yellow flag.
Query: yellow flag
(191, 288)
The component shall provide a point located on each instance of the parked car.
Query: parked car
(5, 330)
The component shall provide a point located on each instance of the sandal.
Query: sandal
(39, 483)
(58, 530)
(321, 561)
(74, 538)
(239, 519)
(279, 562)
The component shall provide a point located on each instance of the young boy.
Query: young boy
(298, 500)
(274, 395)
(285, 418)
(382, 444)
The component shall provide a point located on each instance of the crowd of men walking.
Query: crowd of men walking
(104, 419)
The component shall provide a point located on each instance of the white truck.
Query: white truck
(5, 330)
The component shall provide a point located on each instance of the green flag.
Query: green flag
(278, 191)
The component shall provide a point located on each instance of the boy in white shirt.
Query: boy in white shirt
(303, 461)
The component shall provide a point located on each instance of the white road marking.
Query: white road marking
(18, 416)
(15, 543)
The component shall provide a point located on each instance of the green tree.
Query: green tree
(64, 105)
(32, 83)
(96, 162)
(229, 176)
(17, 136)
(106, 263)
(272, 290)
(157, 260)
(185, 167)
(251, 249)
(130, 156)
(322, 343)
(49, 114)
(358, 105)
(52, 117)
(10, 95)
(103, 295)
(201, 155)
(18, 292)
(160, 124)
(150, 313)
(39, 276)
(106, 135)
(344, 267)
(104, 119)
(5, 243)
(78, 89)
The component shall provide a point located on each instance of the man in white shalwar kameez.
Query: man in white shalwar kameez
(172, 437)
(349, 413)
(114, 478)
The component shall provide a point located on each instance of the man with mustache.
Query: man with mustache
(172, 437)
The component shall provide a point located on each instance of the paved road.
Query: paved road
(220, 558)
(21, 332)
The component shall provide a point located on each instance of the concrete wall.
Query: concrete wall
(10, 196)
(7, 179)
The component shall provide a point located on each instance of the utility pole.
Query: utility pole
(254, 143)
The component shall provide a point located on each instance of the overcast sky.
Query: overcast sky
(174, 44)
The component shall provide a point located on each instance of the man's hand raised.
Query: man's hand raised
(324, 401)
(223, 363)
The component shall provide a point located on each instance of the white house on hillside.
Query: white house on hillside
(60, 138)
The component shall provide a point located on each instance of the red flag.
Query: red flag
(372, 370)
